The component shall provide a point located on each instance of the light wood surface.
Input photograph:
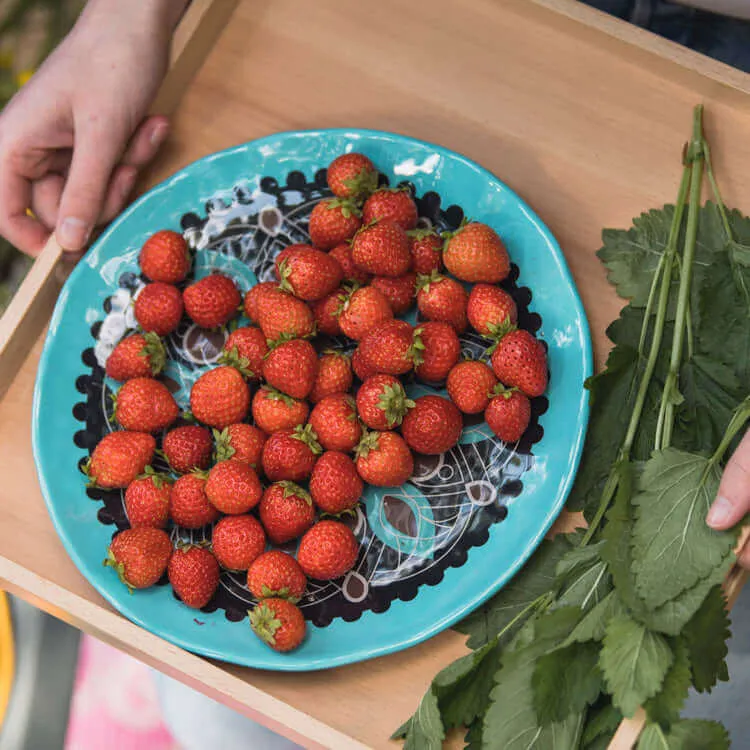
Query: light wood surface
(586, 126)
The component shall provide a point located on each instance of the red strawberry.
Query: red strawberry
(362, 310)
(400, 291)
(437, 349)
(469, 386)
(326, 312)
(343, 254)
(274, 411)
(334, 421)
(384, 459)
(521, 361)
(335, 485)
(137, 356)
(158, 308)
(119, 458)
(282, 314)
(139, 556)
(147, 501)
(475, 253)
(165, 257)
(352, 176)
(292, 367)
(194, 574)
(145, 405)
(387, 348)
(255, 298)
(327, 551)
(188, 502)
(382, 402)
(382, 249)
(187, 448)
(361, 369)
(308, 273)
(290, 454)
(233, 487)
(334, 375)
(391, 204)
(508, 414)
(276, 574)
(237, 541)
(279, 623)
(244, 349)
(240, 442)
(333, 221)
(442, 299)
(426, 250)
(432, 426)
(286, 511)
(220, 397)
(491, 310)
(212, 301)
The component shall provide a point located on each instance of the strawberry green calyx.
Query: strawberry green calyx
(503, 329)
(347, 207)
(276, 395)
(86, 471)
(292, 489)
(447, 236)
(309, 437)
(276, 343)
(282, 593)
(362, 184)
(110, 561)
(232, 359)
(158, 478)
(188, 417)
(349, 288)
(336, 353)
(425, 279)
(224, 449)
(154, 351)
(185, 546)
(370, 441)
(501, 390)
(284, 273)
(416, 350)
(264, 623)
(199, 474)
(421, 232)
(395, 404)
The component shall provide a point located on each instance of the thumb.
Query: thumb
(95, 153)
(733, 499)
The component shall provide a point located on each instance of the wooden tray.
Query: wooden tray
(583, 115)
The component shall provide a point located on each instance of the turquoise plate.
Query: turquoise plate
(432, 550)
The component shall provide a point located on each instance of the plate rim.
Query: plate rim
(363, 652)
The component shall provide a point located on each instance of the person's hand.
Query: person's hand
(733, 500)
(73, 139)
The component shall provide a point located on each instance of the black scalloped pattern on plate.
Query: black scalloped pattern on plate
(410, 535)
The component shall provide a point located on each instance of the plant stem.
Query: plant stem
(736, 423)
(715, 188)
(650, 301)
(671, 393)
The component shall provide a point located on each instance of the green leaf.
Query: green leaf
(706, 635)
(565, 682)
(424, 731)
(666, 705)
(511, 722)
(578, 557)
(594, 623)
(695, 734)
(587, 586)
(534, 580)
(672, 617)
(601, 722)
(634, 662)
(652, 738)
(673, 548)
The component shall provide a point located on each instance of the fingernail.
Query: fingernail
(720, 512)
(159, 133)
(73, 233)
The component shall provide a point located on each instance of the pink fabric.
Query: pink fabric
(115, 705)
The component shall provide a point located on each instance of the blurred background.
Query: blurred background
(61, 690)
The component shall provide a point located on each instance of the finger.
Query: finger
(733, 499)
(20, 229)
(45, 199)
(146, 142)
(95, 154)
(120, 187)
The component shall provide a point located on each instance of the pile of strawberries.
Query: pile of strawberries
(303, 459)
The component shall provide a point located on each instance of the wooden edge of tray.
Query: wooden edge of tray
(31, 307)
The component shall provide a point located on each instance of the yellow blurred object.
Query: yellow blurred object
(7, 655)
(24, 77)
(6, 59)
